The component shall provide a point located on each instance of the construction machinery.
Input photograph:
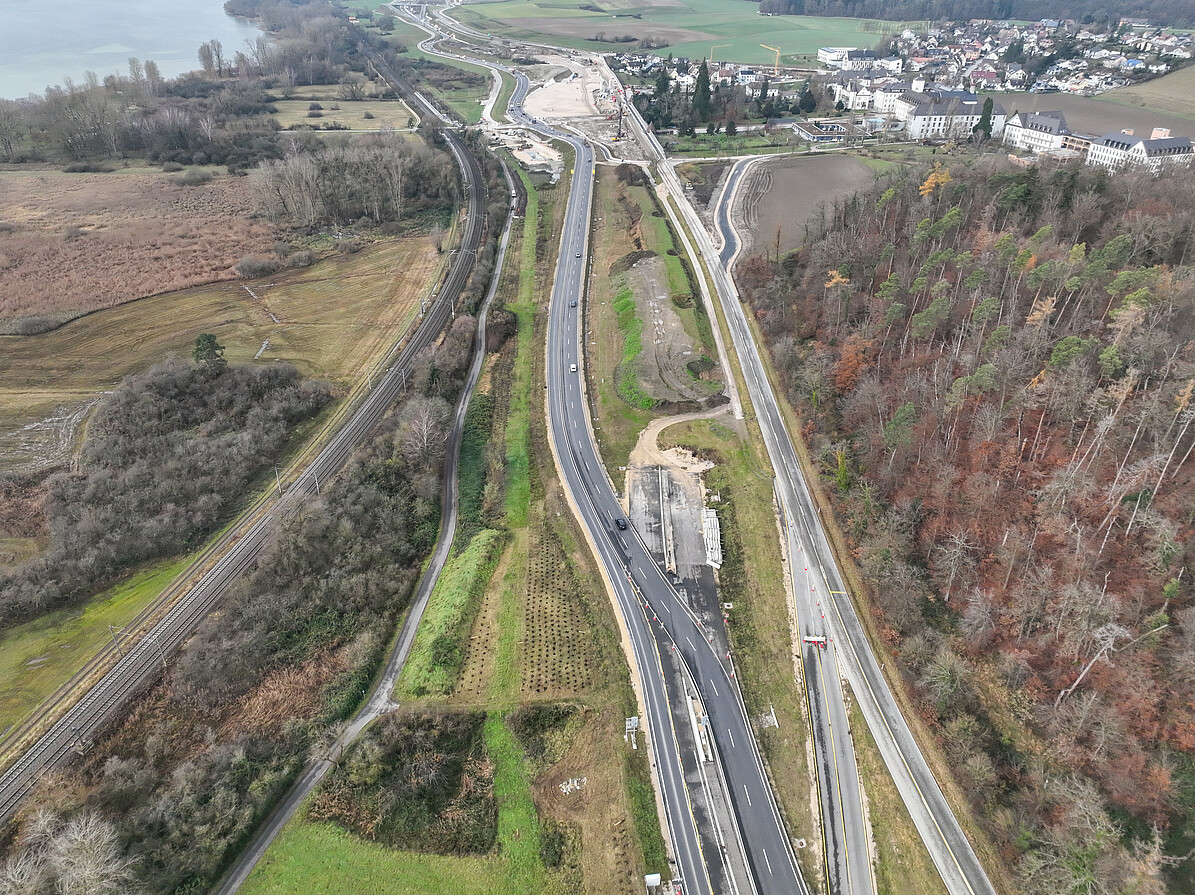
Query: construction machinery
(776, 67)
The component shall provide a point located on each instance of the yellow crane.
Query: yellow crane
(716, 47)
(776, 67)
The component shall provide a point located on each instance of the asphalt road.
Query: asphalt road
(140, 660)
(817, 580)
(645, 597)
(845, 832)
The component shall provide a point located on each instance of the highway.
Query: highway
(816, 578)
(142, 659)
(639, 585)
(651, 610)
(845, 832)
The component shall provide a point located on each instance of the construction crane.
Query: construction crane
(716, 47)
(776, 67)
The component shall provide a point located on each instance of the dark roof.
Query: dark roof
(949, 102)
(1167, 146)
(1163, 146)
(1043, 122)
(1117, 140)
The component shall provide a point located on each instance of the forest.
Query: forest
(1166, 13)
(995, 369)
(168, 455)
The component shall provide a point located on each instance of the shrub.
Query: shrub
(35, 326)
(305, 258)
(315, 107)
(171, 167)
(88, 168)
(192, 178)
(251, 267)
(167, 455)
(315, 114)
(417, 780)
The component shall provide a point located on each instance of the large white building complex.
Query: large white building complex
(1122, 149)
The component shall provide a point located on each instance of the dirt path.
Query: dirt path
(647, 451)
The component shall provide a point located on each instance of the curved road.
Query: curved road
(845, 830)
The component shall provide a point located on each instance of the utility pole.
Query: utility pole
(113, 630)
(161, 650)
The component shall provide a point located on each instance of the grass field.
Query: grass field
(1172, 94)
(357, 115)
(71, 243)
(504, 95)
(620, 422)
(720, 144)
(465, 100)
(322, 859)
(435, 658)
(624, 388)
(38, 657)
(691, 27)
(902, 862)
(335, 318)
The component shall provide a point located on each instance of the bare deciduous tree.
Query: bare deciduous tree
(423, 424)
(79, 856)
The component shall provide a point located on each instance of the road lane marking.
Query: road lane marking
(747, 794)
(690, 642)
(715, 686)
(731, 735)
(765, 857)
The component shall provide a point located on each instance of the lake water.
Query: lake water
(44, 41)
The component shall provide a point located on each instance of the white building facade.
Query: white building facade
(1036, 131)
(1122, 150)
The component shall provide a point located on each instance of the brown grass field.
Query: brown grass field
(334, 319)
(1158, 103)
(585, 29)
(77, 242)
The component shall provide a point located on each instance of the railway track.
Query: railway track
(184, 607)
